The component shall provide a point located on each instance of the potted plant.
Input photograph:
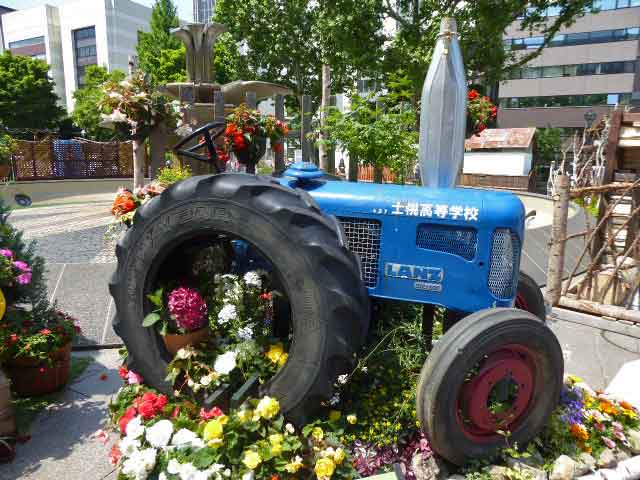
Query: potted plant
(246, 136)
(8, 147)
(181, 317)
(35, 348)
(481, 111)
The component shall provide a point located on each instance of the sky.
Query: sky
(185, 7)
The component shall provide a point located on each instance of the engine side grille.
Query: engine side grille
(364, 240)
(462, 242)
(505, 263)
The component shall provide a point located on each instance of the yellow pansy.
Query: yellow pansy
(317, 433)
(294, 465)
(213, 430)
(339, 456)
(267, 408)
(251, 459)
(352, 419)
(324, 468)
(334, 415)
(275, 352)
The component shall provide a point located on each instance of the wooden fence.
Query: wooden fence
(52, 159)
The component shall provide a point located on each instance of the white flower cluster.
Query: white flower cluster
(252, 279)
(225, 363)
(138, 462)
(227, 314)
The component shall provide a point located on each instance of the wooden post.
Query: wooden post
(555, 270)
(307, 153)
(138, 163)
(158, 146)
(278, 157)
(251, 100)
(326, 93)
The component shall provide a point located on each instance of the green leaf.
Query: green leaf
(150, 320)
(204, 458)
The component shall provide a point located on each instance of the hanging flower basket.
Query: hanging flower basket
(31, 376)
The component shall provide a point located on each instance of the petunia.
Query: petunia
(5, 252)
(24, 278)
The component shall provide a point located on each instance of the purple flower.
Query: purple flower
(22, 266)
(5, 252)
(572, 399)
(24, 278)
(188, 308)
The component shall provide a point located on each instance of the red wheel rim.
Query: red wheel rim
(514, 364)
(521, 302)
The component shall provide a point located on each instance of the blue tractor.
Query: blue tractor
(335, 247)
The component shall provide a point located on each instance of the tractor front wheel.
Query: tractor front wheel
(495, 372)
(529, 297)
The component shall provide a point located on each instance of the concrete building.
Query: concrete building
(592, 65)
(3, 10)
(203, 10)
(75, 35)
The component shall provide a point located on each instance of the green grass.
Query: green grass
(28, 408)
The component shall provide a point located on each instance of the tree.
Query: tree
(27, 98)
(86, 113)
(228, 61)
(481, 25)
(160, 54)
(548, 144)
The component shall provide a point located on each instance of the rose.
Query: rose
(324, 468)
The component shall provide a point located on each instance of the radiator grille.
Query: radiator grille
(505, 259)
(364, 240)
(462, 242)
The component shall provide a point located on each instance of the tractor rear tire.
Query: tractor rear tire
(529, 297)
(308, 249)
(466, 366)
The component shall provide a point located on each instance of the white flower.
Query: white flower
(190, 383)
(162, 476)
(139, 465)
(206, 380)
(226, 473)
(160, 433)
(173, 467)
(185, 437)
(129, 445)
(290, 428)
(225, 363)
(365, 369)
(115, 95)
(135, 428)
(248, 476)
(342, 379)
(252, 279)
(335, 399)
(117, 116)
(227, 314)
(245, 333)
(184, 353)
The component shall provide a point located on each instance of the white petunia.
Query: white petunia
(135, 428)
(225, 363)
(129, 445)
(138, 465)
(245, 333)
(252, 279)
(160, 433)
(185, 437)
(227, 313)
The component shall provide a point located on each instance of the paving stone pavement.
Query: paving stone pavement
(80, 259)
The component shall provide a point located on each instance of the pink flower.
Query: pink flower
(22, 266)
(600, 426)
(115, 455)
(620, 436)
(608, 442)
(5, 252)
(211, 414)
(134, 378)
(188, 308)
(24, 278)
(102, 436)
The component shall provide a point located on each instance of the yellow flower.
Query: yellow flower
(275, 352)
(267, 408)
(317, 433)
(352, 419)
(276, 449)
(213, 430)
(276, 438)
(324, 468)
(339, 456)
(283, 359)
(294, 465)
(223, 419)
(244, 415)
(251, 459)
(334, 415)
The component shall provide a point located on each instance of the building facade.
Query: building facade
(3, 10)
(203, 10)
(590, 66)
(75, 35)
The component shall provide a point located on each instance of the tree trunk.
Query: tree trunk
(138, 163)
(352, 174)
(378, 172)
(326, 93)
(555, 267)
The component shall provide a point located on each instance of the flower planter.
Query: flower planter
(176, 341)
(32, 377)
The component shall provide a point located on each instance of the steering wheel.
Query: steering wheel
(206, 142)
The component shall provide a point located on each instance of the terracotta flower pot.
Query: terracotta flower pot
(176, 341)
(7, 415)
(32, 377)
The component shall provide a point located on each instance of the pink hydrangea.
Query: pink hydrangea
(188, 308)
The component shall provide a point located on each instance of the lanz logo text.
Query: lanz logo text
(414, 272)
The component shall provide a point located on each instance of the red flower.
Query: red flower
(14, 337)
(123, 372)
(150, 404)
(210, 414)
(266, 296)
(129, 415)
(494, 111)
(486, 99)
(222, 155)
(239, 141)
(161, 402)
(231, 129)
(278, 148)
(176, 412)
(473, 94)
(45, 331)
(115, 455)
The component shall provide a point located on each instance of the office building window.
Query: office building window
(567, 100)
(607, 68)
(27, 42)
(582, 38)
(203, 10)
(84, 40)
